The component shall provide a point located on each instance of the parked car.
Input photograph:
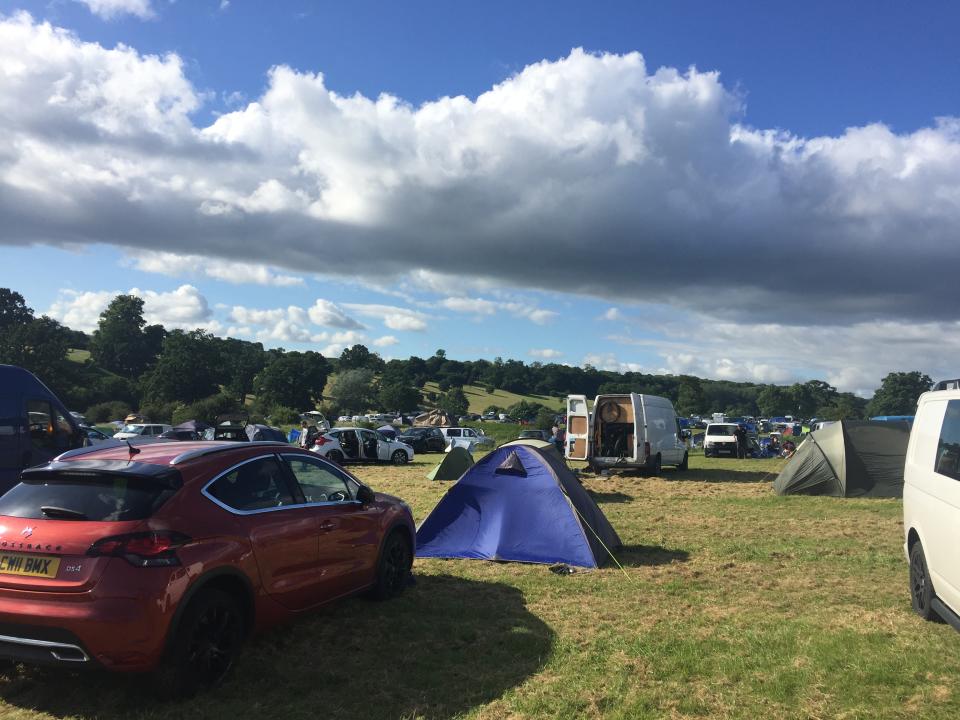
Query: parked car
(168, 559)
(344, 445)
(474, 436)
(94, 436)
(141, 430)
(345, 418)
(720, 439)
(424, 439)
(534, 435)
(34, 425)
(931, 504)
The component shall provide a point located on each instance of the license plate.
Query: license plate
(35, 565)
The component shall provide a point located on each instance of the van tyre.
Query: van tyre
(399, 457)
(206, 643)
(921, 588)
(685, 463)
(393, 567)
(657, 468)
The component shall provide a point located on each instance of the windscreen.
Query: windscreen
(99, 497)
(722, 430)
(137, 429)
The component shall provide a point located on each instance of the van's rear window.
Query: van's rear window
(91, 496)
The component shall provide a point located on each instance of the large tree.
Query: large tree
(187, 369)
(354, 390)
(293, 379)
(38, 344)
(690, 396)
(357, 357)
(898, 393)
(121, 343)
(240, 362)
(399, 397)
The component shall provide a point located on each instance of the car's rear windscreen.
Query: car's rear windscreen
(91, 496)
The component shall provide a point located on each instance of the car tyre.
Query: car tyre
(656, 469)
(206, 643)
(399, 457)
(393, 567)
(336, 456)
(921, 588)
(685, 463)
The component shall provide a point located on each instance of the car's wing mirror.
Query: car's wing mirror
(365, 495)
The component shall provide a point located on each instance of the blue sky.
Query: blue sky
(780, 213)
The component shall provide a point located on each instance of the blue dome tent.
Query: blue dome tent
(521, 504)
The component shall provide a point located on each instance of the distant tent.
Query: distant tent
(518, 503)
(434, 418)
(197, 426)
(543, 445)
(389, 431)
(848, 459)
(454, 464)
(265, 432)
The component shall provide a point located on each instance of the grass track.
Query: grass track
(733, 603)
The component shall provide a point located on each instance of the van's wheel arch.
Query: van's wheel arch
(685, 463)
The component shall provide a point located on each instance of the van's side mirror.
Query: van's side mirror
(365, 495)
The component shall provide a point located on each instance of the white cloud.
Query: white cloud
(482, 307)
(546, 353)
(110, 9)
(613, 314)
(224, 5)
(393, 317)
(184, 308)
(562, 177)
(238, 273)
(385, 341)
(609, 361)
(329, 314)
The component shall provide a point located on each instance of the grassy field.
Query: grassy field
(732, 603)
(480, 399)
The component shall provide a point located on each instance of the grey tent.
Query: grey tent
(434, 418)
(454, 464)
(848, 459)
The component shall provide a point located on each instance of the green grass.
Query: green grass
(480, 399)
(78, 355)
(732, 603)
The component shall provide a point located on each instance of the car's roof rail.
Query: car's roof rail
(106, 444)
(947, 385)
(227, 445)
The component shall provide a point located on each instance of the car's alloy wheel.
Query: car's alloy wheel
(921, 589)
(206, 645)
(399, 457)
(393, 568)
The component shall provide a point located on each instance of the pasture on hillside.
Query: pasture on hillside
(731, 603)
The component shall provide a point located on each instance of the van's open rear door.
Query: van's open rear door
(578, 428)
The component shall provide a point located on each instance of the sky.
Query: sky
(744, 191)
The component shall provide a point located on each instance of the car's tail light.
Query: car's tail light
(145, 549)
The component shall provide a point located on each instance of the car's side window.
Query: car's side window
(256, 485)
(948, 448)
(319, 482)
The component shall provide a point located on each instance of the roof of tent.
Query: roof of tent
(541, 444)
(522, 504)
(848, 459)
(454, 464)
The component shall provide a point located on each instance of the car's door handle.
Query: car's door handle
(327, 526)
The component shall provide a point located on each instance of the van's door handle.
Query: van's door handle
(327, 526)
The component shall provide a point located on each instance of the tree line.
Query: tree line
(175, 375)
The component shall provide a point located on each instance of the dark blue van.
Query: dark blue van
(34, 425)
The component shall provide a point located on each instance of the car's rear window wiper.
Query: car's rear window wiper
(62, 513)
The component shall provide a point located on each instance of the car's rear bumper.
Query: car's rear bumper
(83, 630)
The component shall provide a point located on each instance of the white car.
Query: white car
(466, 437)
(720, 439)
(344, 445)
(141, 430)
(931, 504)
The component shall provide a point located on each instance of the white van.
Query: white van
(720, 439)
(625, 431)
(931, 504)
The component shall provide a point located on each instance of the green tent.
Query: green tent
(848, 459)
(542, 445)
(454, 464)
